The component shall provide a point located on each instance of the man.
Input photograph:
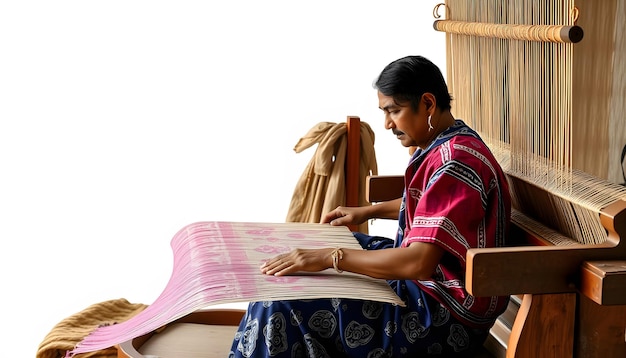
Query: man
(456, 198)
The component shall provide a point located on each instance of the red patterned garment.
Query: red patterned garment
(457, 197)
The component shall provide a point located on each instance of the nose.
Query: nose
(388, 122)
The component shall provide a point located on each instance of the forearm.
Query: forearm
(385, 210)
(344, 215)
(416, 262)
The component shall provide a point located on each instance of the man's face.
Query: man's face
(409, 126)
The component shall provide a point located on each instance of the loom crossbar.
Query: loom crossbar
(541, 33)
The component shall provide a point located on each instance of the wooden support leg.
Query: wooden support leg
(600, 330)
(544, 327)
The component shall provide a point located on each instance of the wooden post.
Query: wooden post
(544, 327)
(353, 158)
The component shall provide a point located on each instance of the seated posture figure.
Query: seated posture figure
(456, 197)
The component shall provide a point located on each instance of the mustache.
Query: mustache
(396, 132)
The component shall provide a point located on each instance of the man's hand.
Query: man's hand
(343, 216)
(308, 260)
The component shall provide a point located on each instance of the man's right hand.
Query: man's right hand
(343, 216)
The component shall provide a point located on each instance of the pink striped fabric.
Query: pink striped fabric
(218, 262)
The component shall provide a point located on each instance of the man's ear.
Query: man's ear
(430, 102)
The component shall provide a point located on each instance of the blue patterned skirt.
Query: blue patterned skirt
(351, 328)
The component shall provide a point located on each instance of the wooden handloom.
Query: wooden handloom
(568, 295)
(549, 101)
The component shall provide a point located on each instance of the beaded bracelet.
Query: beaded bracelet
(337, 255)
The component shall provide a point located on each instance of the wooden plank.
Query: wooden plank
(215, 320)
(546, 269)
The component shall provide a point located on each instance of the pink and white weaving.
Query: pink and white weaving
(218, 262)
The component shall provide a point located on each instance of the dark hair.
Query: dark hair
(408, 78)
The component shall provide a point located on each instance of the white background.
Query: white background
(123, 121)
